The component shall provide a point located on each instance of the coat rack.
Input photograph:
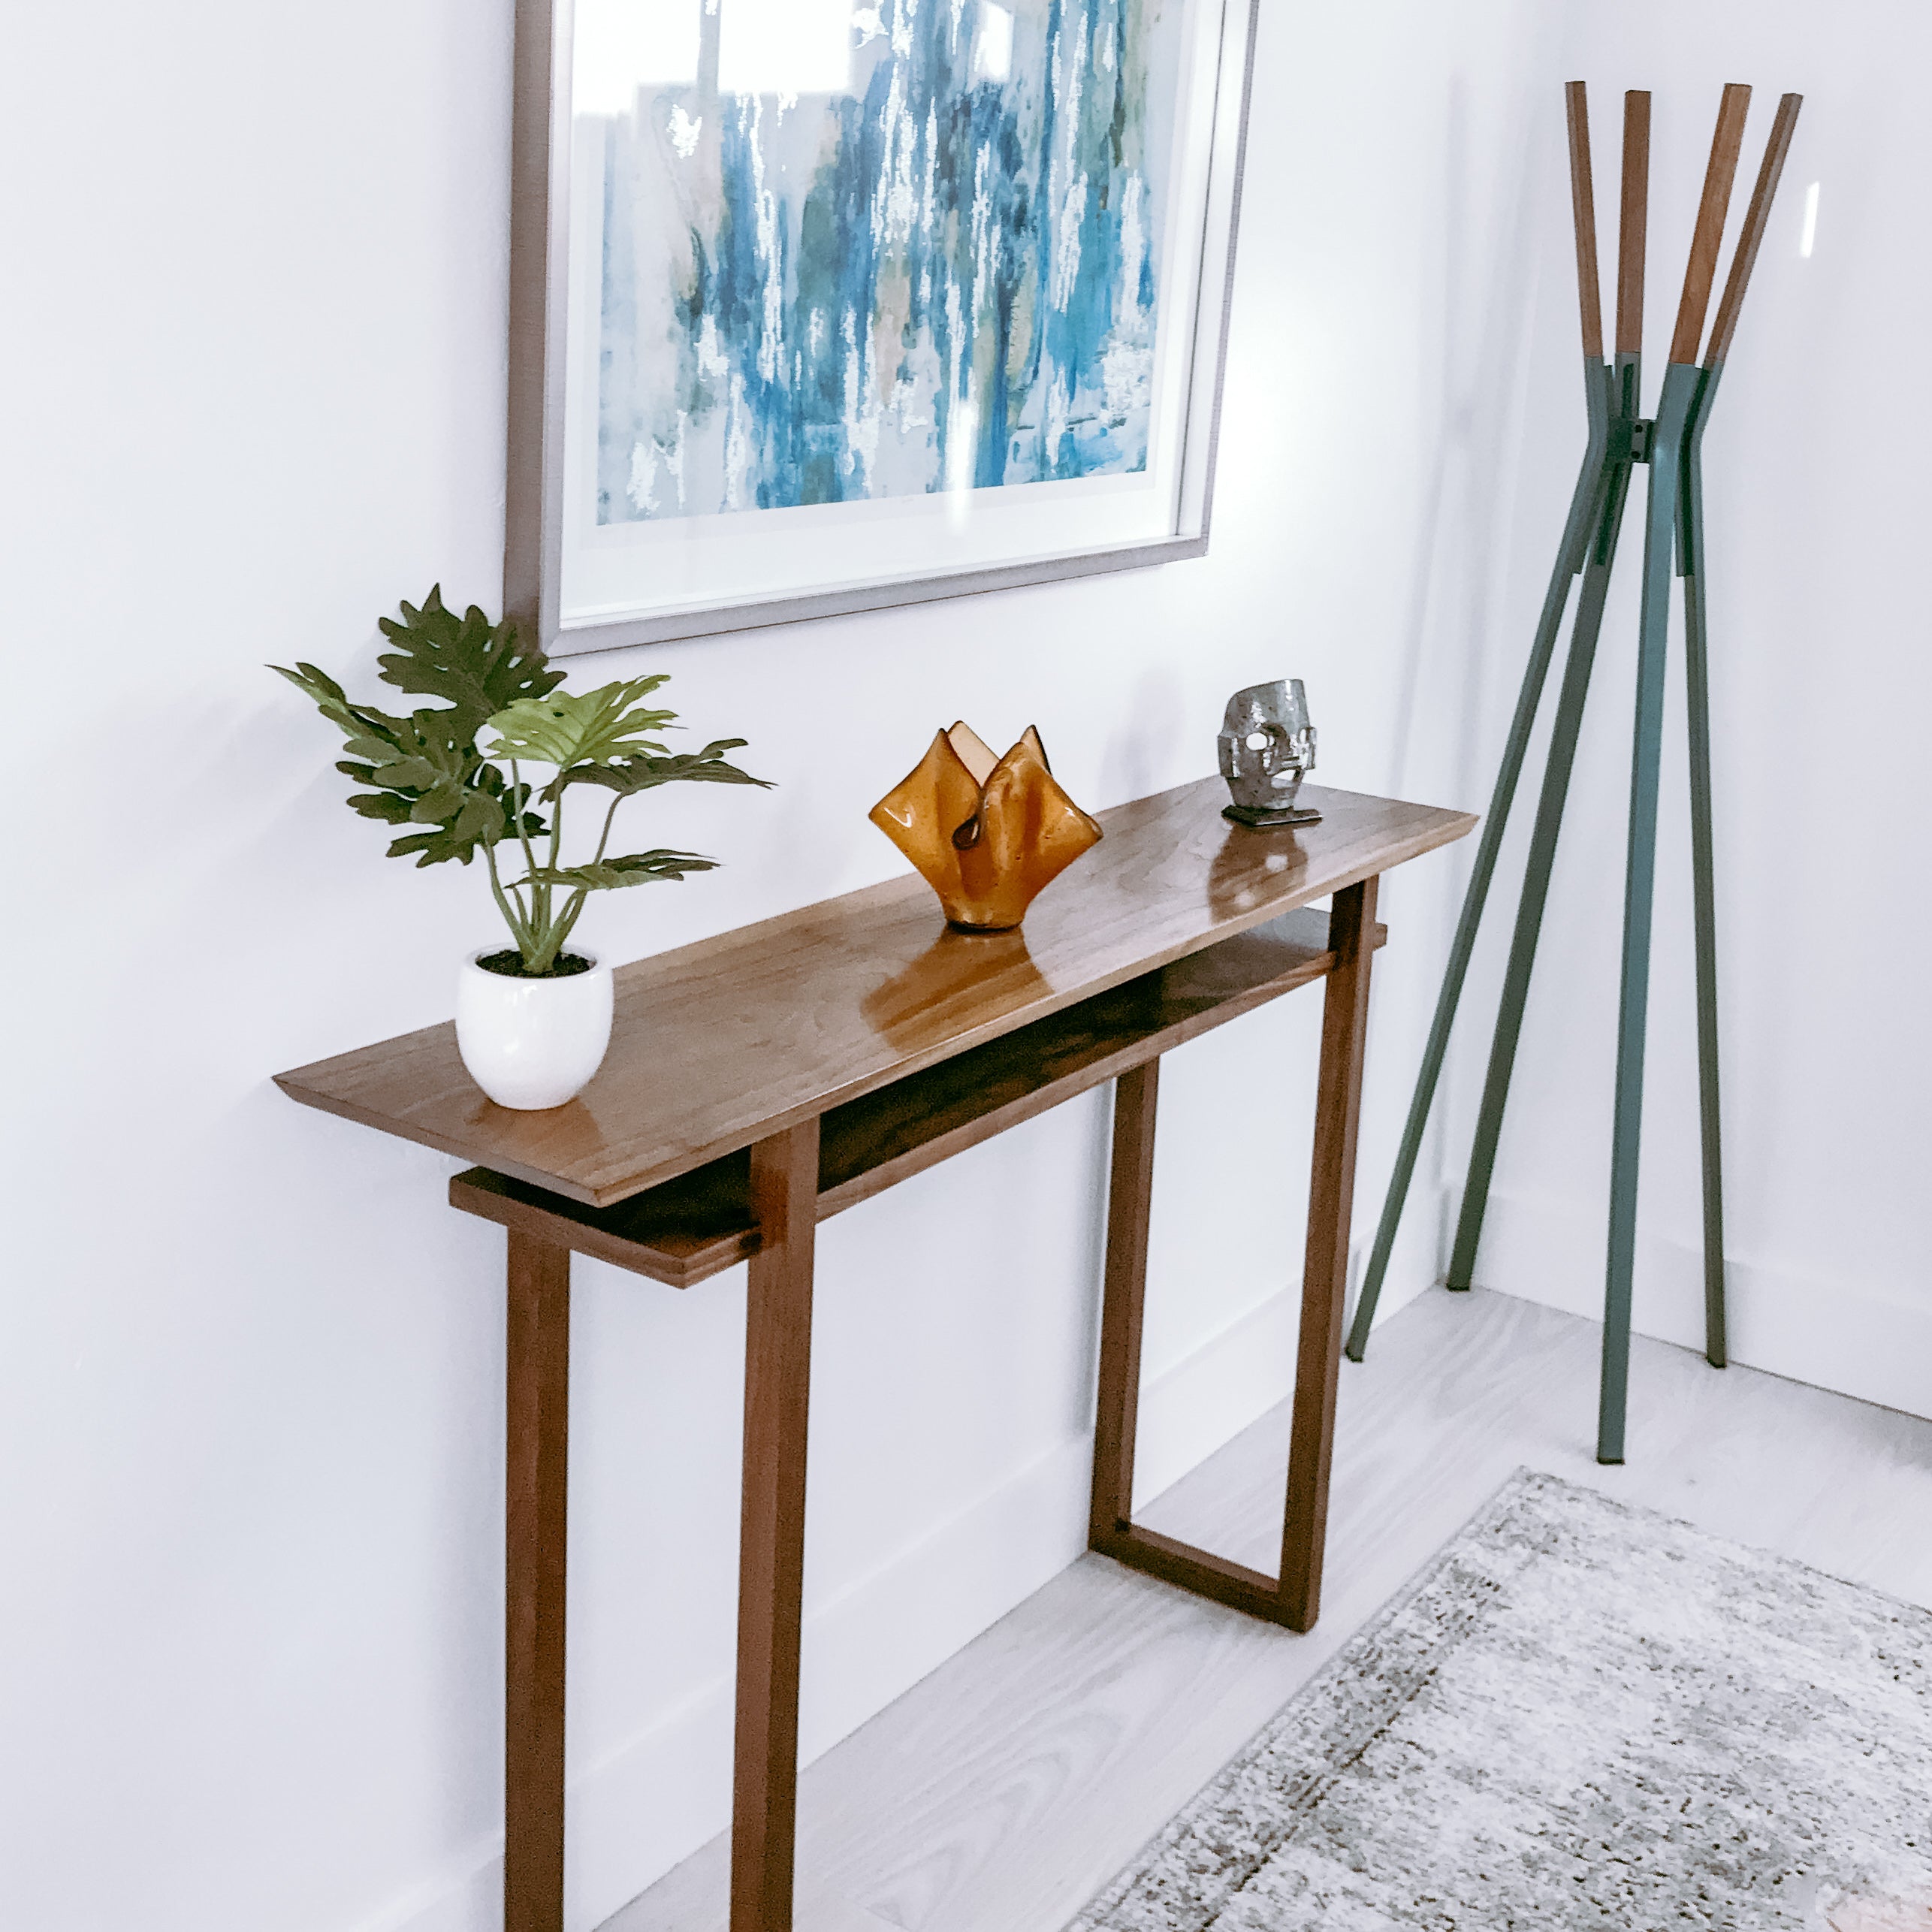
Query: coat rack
(1671, 443)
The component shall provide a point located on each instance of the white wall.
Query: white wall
(250, 1365)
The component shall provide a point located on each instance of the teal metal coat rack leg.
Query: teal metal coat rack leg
(1670, 444)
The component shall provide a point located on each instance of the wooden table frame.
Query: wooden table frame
(953, 1086)
(785, 1197)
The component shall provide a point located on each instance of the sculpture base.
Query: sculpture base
(1262, 816)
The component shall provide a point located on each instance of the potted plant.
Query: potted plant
(490, 768)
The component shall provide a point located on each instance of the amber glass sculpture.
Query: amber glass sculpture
(987, 834)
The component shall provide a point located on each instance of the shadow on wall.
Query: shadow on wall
(1460, 543)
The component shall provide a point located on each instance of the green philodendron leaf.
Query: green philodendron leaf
(373, 748)
(643, 773)
(358, 723)
(425, 764)
(484, 817)
(328, 695)
(429, 781)
(638, 868)
(573, 728)
(433, 848)
(391, 808)
(424, 770)
(474, 667)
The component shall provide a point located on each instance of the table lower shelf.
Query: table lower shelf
(689, 1229)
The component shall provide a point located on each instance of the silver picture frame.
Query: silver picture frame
(539, 279)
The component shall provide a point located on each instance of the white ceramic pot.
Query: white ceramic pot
(533, 1043)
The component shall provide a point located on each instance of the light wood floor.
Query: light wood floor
(1006, 1788)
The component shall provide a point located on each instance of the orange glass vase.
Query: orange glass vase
(987, 834)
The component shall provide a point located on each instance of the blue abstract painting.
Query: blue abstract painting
(947, 276)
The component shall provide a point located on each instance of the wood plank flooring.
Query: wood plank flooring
(1007, 1787)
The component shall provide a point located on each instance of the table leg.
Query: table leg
(1345, 1028)
(1130, 1203)
(537, 1470)
(1112, 1530)
(778, 1383)
(1293, 1597)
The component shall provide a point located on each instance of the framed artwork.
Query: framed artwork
(819, 305)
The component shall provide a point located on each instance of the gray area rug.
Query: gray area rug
(1579, 1715)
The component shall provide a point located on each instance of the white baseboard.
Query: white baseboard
(649, 1805)
(466, 1896)
(1209, 1397)
(1856, 1338)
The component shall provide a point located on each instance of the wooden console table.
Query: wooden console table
(760, 1082)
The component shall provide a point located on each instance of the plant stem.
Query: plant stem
(539, 907)
(556, 860)
(610, 820)
(572, 911)
(519, 930)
